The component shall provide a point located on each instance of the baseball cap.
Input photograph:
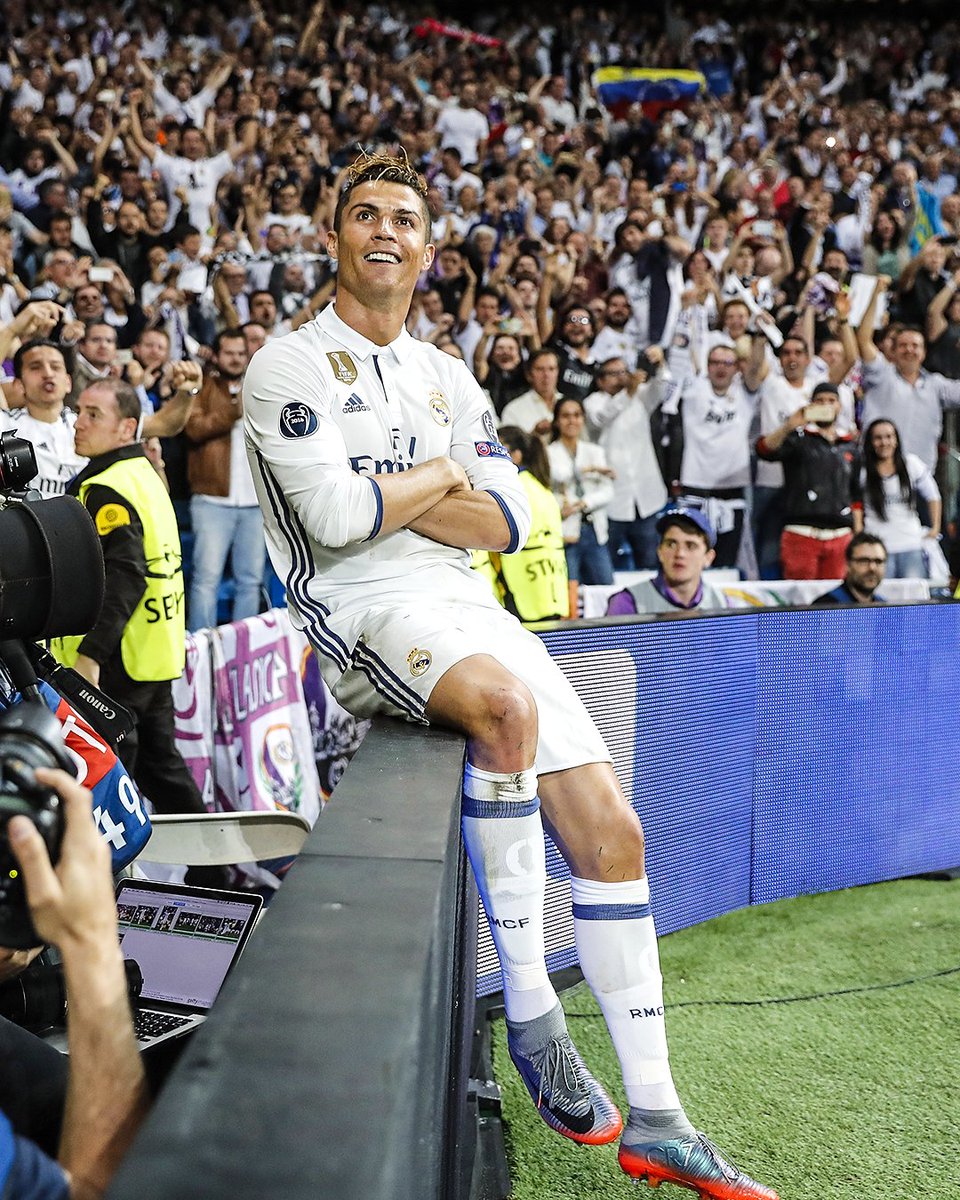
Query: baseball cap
(825, 389)
(685, 512)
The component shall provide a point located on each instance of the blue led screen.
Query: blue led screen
(769, 753)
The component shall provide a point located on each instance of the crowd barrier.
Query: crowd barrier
(752, 593)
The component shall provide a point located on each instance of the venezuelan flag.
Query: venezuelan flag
(655, 88)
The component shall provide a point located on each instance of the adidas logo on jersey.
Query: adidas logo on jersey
(353, 404)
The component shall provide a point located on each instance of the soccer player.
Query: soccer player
(377, 465)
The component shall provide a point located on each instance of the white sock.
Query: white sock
(617, 947)
(503, 834)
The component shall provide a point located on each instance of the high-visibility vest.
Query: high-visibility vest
(153, 645)
(534, 579)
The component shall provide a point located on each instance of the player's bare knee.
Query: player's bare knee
(506, 712)
(622, 838)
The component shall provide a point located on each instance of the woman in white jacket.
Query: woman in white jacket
(583, 484)
(891, 483)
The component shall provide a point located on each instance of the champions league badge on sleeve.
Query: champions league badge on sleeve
(298, 420)
(489, 427)
(491, 450)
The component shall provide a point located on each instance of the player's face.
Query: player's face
(43, 377)
(683, 555)
(382, 245)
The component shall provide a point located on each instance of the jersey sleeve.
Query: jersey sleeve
(292, 438)
(476, 447)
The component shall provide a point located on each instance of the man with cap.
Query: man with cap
(866, 565)
(686, 549)
(819, 466)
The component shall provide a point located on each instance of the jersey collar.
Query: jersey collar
(401, 347)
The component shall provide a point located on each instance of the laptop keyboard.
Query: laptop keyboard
(151, 1024)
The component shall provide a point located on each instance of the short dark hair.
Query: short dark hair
(225, 335)
(97, 321)
(128, 402)
(541, 353)
(33, 344)
(382, 168)
(863, 539)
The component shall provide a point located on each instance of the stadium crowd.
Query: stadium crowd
(685, 271)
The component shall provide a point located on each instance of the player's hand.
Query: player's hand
(458, 476)
(72, 902)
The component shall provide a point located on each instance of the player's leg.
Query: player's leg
(503, 835)
(601, 839)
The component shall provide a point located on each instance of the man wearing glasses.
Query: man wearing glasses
(572, 342)
(866, 565)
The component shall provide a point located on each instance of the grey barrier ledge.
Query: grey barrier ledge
(334, 1062)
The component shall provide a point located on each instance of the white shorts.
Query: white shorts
(402, 652)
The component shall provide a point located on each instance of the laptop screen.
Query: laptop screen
(185, 940)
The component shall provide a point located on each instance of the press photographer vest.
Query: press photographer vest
(153, 644)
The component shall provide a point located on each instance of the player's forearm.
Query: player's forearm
(407, 495)
(470, 520)
(106, 1092)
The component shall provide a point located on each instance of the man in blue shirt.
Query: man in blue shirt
(866, 565)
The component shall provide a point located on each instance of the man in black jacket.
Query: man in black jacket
(819, 467)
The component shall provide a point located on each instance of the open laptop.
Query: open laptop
(185, 940)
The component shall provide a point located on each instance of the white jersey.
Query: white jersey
(778, 399)
(325, 410)
(716, 435)
(199, 177)
(57, 461)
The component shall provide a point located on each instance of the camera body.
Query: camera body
(30, 737)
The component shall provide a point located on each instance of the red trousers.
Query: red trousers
(804, 557)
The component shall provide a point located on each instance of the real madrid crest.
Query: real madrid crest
(343, 366)
(419, 661)
(439, 408)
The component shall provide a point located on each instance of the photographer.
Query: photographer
(72, 906)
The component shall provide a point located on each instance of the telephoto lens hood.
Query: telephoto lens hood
(51, 569)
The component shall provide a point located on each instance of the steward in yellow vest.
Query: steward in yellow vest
(138, 643)
(143, 607)
(532, 582)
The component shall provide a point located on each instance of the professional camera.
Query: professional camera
(36, 999)
(51, 585)
(30, 737)
(51, 564)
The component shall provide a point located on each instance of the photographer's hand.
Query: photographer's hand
(72, 906)
(89, 669)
